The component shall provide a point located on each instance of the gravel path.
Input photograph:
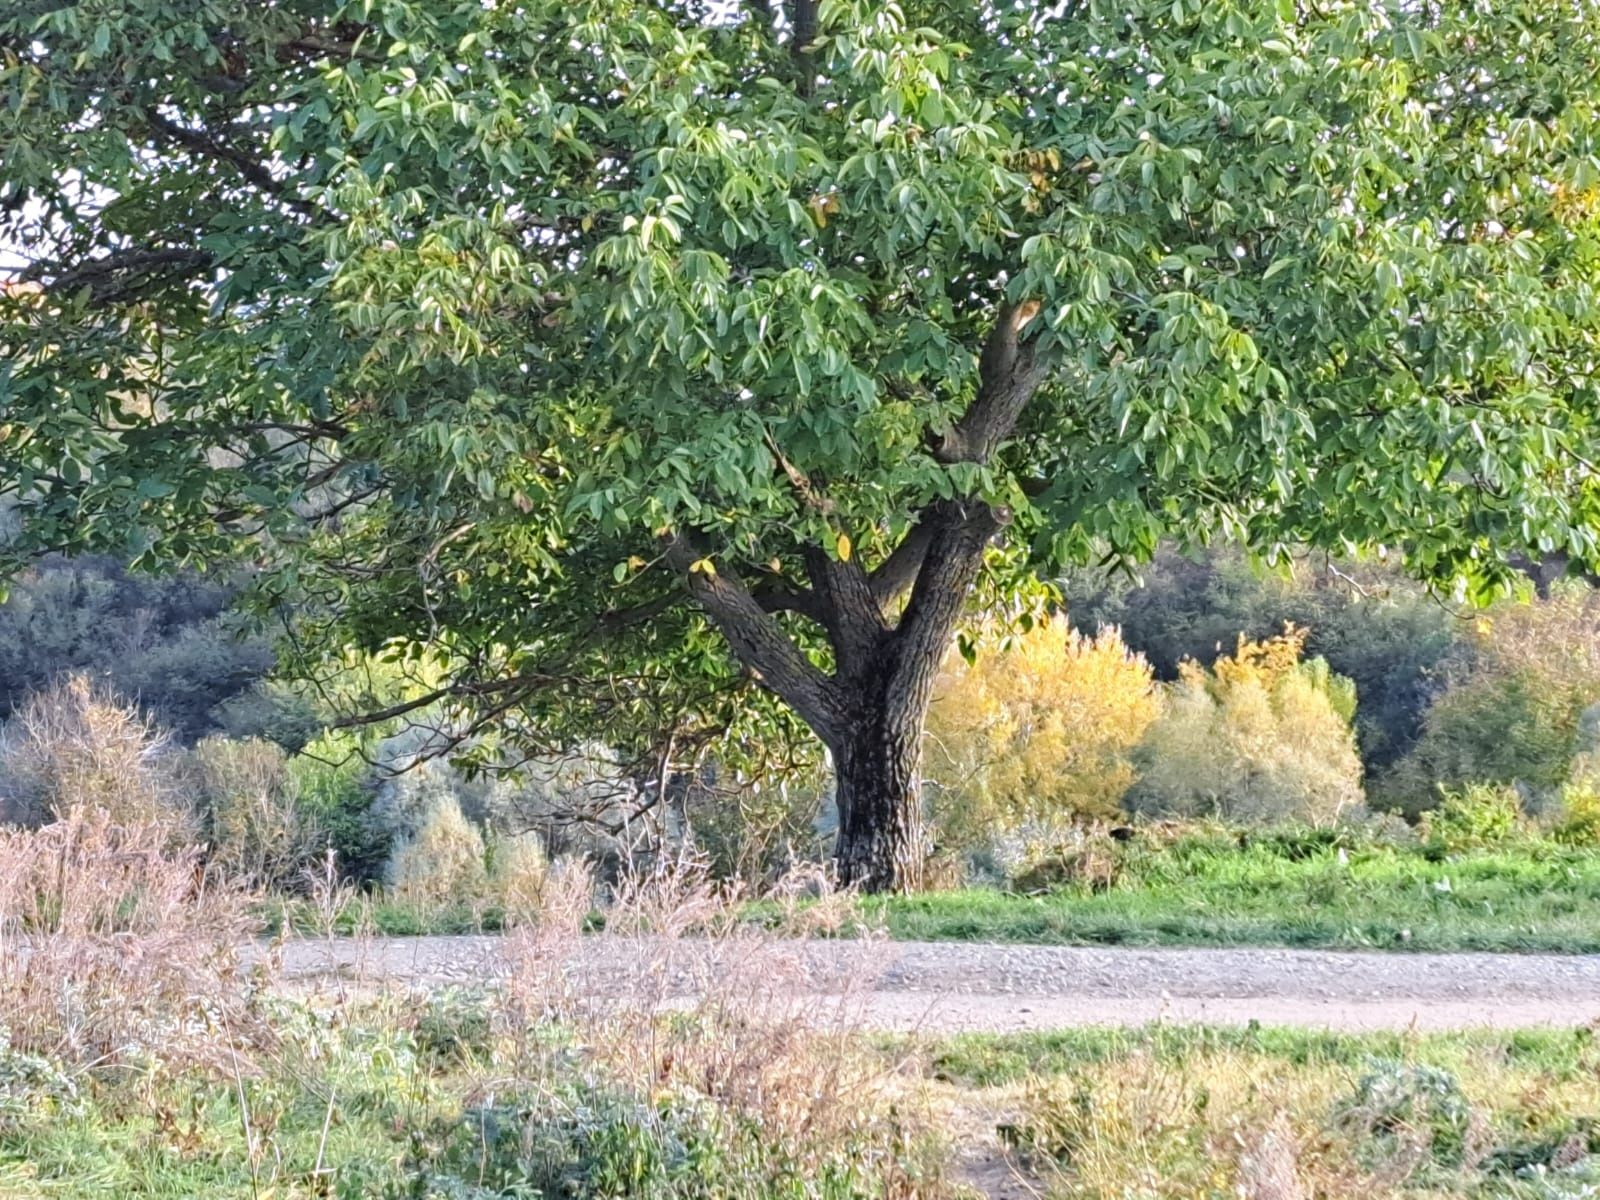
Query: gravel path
(955, 987)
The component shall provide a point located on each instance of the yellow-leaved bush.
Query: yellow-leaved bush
(1261, 737)
(1043, 727)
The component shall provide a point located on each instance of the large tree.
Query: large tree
(547, 338)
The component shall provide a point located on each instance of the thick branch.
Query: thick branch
(960, 530)
(122, 273)
(758, 642)
(893, 577)
(249, 167)
(1009, 371)
(849, 611)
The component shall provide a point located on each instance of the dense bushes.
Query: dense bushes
(1262, 737)
(1372, 625)
(1517, 706)
(267, 820)
(167, 644)
(1041, 728)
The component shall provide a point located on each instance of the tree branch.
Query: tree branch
(893, 577)
(959, 531)
(120, 274)
(757, 640)
(1009, 371)
(203, 142)
(849, 611)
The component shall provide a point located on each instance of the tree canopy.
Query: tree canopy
(584, 341)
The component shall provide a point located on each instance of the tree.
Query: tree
(563, 342)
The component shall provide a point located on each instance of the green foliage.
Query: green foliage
(331, 784)
(418, 307)
(170, 642)
(1477, 816)
(1260, 738)
(1578, 817)
(1513, 710)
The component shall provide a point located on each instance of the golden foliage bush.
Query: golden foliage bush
(443, 862)
(1041, 728)
(1261, 737)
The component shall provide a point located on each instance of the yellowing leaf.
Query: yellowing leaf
(703, 566)
(842, 545)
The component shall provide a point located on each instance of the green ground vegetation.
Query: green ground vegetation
(441, 1100)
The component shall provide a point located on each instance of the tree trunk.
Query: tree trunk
(877, 774)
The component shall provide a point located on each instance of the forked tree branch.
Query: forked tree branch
(757, 640)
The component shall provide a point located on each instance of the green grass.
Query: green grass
(1207, 891)
(990, 1060)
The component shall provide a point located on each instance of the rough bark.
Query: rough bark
(878, 784)
(878, 755)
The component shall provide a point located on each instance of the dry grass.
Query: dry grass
(114, 945)
(74, 746)
(1232, 1122)
(684, 996)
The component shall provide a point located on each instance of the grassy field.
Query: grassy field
(1205, 892)
(1180, 1112)
(1208, 890)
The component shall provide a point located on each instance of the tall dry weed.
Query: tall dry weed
(75, 746)
(685, 992)
(115, 946)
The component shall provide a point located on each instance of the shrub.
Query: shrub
(1260, 738)
(1042, 728)
(1475, 817)
(1578, 817)
(75, 746)
(33, 1089)
(273, 711)
(1513, 708)
(757, 830)
(1401, 1106)
(442, 862)
(517, 873)
(332, 784)
(257, 830)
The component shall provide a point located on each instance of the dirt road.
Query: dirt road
(959, 987)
